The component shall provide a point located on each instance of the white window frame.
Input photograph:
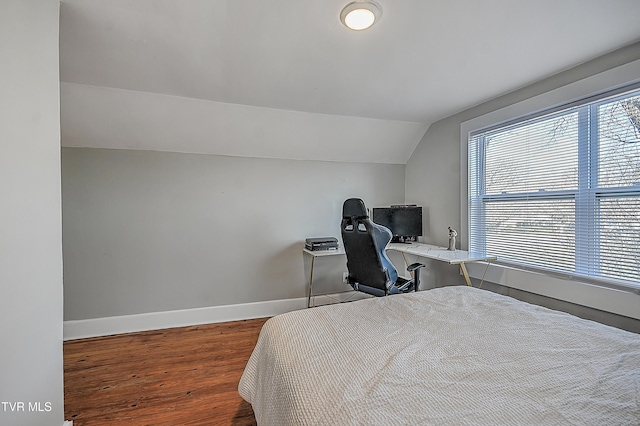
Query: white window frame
(564, 288)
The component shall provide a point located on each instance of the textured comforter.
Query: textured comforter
(454, 355)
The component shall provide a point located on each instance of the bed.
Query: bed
(453, 355)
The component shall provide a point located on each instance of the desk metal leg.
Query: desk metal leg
(406, 262)
(483, 275)
(313, 259)
(466, 274)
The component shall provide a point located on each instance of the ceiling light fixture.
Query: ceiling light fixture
(361, 14)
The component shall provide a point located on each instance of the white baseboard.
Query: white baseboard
(80, 329)
(346, 296)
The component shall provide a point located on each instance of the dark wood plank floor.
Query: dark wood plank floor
(178, 376)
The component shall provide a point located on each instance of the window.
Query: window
(560, 191)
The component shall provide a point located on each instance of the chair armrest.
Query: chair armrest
(414, 266)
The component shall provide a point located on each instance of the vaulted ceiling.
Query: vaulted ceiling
(285, 79)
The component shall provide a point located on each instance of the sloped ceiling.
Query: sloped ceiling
(285, 79)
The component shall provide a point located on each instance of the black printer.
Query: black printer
(321, 243)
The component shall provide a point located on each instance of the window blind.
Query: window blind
(560, 191)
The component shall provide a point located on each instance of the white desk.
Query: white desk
(456, 257)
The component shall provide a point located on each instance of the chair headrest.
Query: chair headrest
(354, 207)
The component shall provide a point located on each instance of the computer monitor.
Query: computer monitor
(404, 221)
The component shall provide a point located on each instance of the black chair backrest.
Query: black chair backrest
(365, 243)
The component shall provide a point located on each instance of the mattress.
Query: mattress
(453, 355)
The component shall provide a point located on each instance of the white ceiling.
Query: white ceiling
(285, 79)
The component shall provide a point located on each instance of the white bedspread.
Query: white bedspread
(454, 355)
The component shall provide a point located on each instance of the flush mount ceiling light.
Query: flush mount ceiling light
(360, 15)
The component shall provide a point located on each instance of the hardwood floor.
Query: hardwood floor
(178, 376)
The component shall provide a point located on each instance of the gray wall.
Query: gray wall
(30, 229)
(433, 171)
(148, 231)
